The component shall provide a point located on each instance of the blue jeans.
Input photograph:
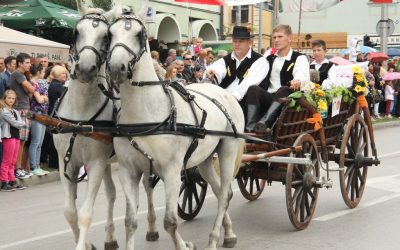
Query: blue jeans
(37, 134)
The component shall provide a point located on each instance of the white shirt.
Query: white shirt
(331, 80)
(257, 72)
(301, 70)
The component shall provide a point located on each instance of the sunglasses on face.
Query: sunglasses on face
(188, 58)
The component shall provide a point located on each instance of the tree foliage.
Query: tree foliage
(104, 4)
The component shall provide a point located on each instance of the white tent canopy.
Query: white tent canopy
(13, 42)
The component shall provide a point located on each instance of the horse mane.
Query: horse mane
(98, 11)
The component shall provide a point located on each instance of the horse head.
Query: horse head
(127, 44)
(91, 42)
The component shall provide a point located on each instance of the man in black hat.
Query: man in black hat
(288, 70)
(240, 69)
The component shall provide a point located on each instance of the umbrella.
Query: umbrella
(33, 14)
(378, 56)
(363, 49)
(393, 52)
(340, 61)
(389, 76)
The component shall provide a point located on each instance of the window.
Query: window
(244, 12)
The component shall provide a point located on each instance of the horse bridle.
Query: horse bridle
(101, 55)
(129, 17)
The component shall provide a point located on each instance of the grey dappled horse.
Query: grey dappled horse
(129, 64)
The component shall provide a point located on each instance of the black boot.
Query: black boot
(269, 118)
(6, 188)
(253, 112)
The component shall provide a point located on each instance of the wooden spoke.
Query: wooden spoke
(301, 200)
(250, 187)
(353, 148)
(191, 195)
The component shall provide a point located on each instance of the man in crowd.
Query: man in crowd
(287, 70)
(11, 64)
(24, 90)
(44, 61)
(188, 69)
(2, 65)
(170, 58)
(240, 69)
(210, 58)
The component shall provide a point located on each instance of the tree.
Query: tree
(104, 4)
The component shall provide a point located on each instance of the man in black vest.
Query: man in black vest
(288, 70)
(240, 69)
(326, 69)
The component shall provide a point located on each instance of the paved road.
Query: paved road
(33, 218)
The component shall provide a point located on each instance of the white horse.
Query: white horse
(145, 102)
(84, 101)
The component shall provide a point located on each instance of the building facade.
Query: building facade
(172, 23)
(356, 17)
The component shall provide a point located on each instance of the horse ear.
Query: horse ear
(142, 13)
(80, 5)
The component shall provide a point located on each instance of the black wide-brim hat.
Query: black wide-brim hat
(241, 32)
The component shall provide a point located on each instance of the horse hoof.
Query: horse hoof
(190, 246)
(152, 236)
(230, 242)
(113, 245)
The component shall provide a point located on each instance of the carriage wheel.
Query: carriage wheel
(353, 150)
(301, 191)
(192, 194)
(250, 187)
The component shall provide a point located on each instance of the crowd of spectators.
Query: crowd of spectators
(383, 98)
(26, 84)
(185, 66)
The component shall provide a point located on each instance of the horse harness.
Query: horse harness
(91, 122)
(101, 55)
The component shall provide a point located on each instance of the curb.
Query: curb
(35, 180)
(389, 124)
(54, 176)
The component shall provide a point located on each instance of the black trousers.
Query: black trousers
(262, 98)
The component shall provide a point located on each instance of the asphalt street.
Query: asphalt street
(33, 218)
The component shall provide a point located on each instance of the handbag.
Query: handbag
(378, 96)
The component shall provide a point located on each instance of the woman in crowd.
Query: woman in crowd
(171, 73)
(11, 122)
(56, 88)
(38, 105)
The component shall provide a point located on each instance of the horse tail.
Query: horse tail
(239, 154)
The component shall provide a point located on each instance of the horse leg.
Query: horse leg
(95, 170)
(223, 192)
(130, 185)
(152, 232)
(172, 182)
(70, 211)
(110, 240)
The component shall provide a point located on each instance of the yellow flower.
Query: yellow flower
(357, 70)
(322, 105)
(319, 92)
(359, 78)
(317, 86)
(358, 89)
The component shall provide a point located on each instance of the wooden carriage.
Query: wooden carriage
(295, 157)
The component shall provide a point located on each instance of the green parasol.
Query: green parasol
(34, 14)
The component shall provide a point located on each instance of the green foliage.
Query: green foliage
(346, 94)
(104, 4)
(66, 3)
